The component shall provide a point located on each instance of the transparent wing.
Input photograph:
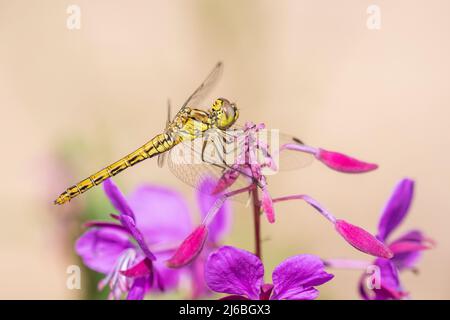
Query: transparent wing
(162, 157)
(193, 162)
(285, 160)
(293, 160)
(217, 152)
(205, 88)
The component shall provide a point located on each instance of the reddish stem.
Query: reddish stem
(257, 221)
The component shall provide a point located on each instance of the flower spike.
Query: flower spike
(189, 248)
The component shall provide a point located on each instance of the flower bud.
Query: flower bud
(343, 163)
(189, 248)
(362, 240)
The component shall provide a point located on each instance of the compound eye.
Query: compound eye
(229, 110)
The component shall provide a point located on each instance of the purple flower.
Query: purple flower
(153, 217)
(240, 274)
(202, 237)
(406, 249)
(120, 249)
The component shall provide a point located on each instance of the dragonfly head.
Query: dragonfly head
(224, 113)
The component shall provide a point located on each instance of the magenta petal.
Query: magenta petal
(266, 291)
(362, 240)
(105, 224)
(343, 163)
(295, 277)
(116, 198)
(234, 271)
(162, 214)
(166, 278)
(409, 259)
(388, 280)
(267, 205)
(100, 248)
(407, 246)
(138, 289)
(140, 269)
(396, 208)
(189, 248)
(128, 222)
(220, 224)
(196, 275)
(234, 297)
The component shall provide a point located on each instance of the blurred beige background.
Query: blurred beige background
(310, 68)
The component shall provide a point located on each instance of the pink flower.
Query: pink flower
(240, 274)
(150, 217)
(406, 249)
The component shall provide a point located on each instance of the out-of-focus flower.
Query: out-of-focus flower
(121, 250)
(153, 216)
(406, 249)
(240, 274)
(203, 239)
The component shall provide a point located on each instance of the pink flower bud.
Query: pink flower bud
(341, 162)
(189, 248)
(142, 268)
(362, 240)
(225, 181)
(267, 205)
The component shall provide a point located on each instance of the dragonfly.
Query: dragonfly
(198, 144)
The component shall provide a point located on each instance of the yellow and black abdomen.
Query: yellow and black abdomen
(159, 144)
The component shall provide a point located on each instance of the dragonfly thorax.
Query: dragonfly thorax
(189, 124)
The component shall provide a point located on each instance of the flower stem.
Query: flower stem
(257, 221)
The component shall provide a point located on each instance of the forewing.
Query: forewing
(205, 88)
(161, 159)
(273, 139)
(293, 160)
(192, 163)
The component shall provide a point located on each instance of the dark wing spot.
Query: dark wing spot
(297, 140)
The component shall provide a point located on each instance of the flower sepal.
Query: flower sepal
(362, 240)
(189, 248)
(343, 163)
